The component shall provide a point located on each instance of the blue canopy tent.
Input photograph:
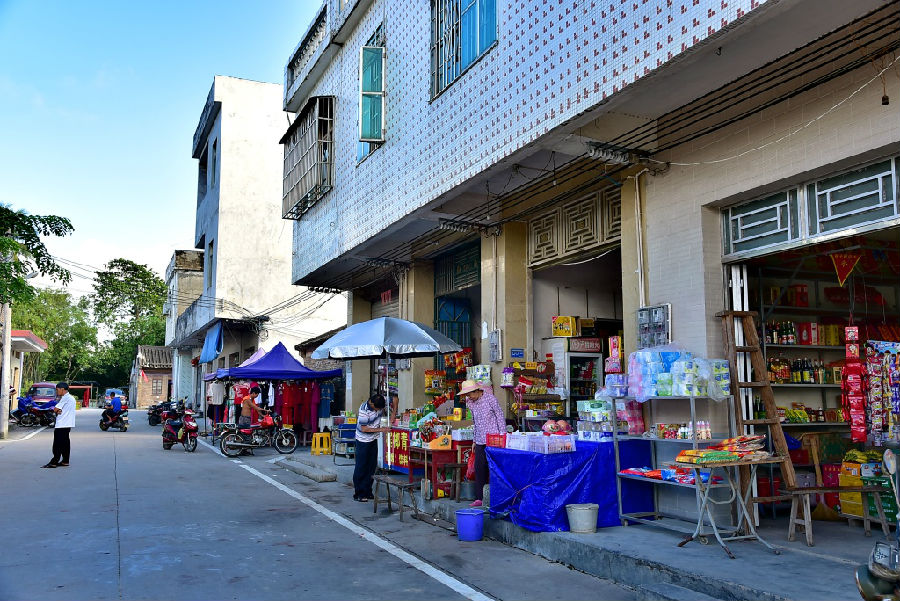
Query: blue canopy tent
(279, 364)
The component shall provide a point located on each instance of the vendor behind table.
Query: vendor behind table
(489, 419)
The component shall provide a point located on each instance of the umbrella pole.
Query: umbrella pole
(387, 390)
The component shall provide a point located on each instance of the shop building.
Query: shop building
(150, 382)
(589, 163)
(240, 297)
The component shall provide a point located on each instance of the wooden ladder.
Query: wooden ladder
(759, 382)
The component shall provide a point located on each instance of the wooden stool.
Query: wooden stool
(321, 444)
(401, 487)
(800, 502)
(456, 482)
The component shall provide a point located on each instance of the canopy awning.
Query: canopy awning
(212, 346)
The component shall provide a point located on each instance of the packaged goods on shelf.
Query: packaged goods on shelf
(565, 325)
(479, 373)
(705, 456)
(508, 377)
(672, 371)
(552, 444)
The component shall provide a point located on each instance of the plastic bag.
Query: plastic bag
(470, 467)
(645, 365)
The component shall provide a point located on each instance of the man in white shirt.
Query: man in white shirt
(65, 421)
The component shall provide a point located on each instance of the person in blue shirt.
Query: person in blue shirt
(114, 409)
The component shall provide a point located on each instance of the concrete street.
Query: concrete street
(128, 520)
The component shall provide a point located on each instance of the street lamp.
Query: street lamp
(5, 371)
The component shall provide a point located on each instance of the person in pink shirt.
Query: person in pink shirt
(489, 419)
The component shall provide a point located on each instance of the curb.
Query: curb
(308, 470)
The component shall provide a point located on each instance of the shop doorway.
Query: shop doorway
(588, 288)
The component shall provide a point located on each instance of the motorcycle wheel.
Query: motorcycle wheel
(104, 426)
(124, 428)
(227, 449)
(285, 441)
(167, 445)
(190, 444)
(27, 420)
(153, 420)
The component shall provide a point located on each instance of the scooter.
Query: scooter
(120, 422)
(183, 430)
(21, 414)
(155, 412)
(879, 580)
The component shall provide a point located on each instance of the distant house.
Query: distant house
(23, 342)
(151, 376)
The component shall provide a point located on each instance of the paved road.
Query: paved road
(128, 520)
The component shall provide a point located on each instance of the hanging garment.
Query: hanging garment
(326, 394)
(215, 393)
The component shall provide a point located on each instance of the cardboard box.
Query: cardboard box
(798, 295)
(850, 497)
(565, 325)
(807, 332)
(851, 507)
(851, 469)
(586, 327)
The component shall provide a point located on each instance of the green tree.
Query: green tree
(127, 299)
(126, 291)
(65, 325)
(20, 241)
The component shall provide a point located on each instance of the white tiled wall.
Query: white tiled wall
(554, 59)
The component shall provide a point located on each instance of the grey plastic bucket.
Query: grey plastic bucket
(582, 517)
(467, 491)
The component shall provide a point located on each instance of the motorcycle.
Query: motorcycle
(879, 580)
(155, 412)
(43, 413)
(182, 430)
(21, 415)
(269, 432)
(120, 422)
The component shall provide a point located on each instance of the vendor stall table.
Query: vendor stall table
(434, 460)
(744, 514)
(533, 489)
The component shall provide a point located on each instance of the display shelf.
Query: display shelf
(671, 440)
(665, 482)
(550, 398)
(810, 386)
(584, 380)
(820, 347)
(814, 424)
(769, 310)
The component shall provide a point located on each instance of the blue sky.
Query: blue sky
(98, 106)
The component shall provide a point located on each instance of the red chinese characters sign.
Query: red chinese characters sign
(398, 443)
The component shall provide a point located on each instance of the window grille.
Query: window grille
(308, 157)
(461, 31)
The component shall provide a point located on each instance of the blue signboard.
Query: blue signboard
(516, 353)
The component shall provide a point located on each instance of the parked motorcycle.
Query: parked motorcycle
(182, 430)
(879, 580)
(43, 413)
(269, 432)
(155, 412)
(120, 422)
(21, 414)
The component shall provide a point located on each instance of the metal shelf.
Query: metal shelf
(666, 482)
(810, 386)
(789, 310)
(671, 440)
(814, 424)
(822, 347)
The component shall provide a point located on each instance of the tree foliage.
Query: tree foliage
(65, 325)
(127, 291)
(115, 358)
(20, 241)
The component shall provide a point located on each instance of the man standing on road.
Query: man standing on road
(65, 421)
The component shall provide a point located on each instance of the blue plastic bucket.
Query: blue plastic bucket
(469, 524)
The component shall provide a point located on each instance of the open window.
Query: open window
(371, 94)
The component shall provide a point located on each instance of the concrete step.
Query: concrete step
(305, 467)
(662, 591)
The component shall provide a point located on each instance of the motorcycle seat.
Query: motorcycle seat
(246, 430)
(174, 423)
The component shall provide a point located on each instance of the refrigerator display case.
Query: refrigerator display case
(579, 368)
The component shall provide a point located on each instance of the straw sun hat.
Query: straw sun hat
(469, 386)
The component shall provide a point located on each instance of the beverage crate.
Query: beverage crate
(495, 440)
(518, 441)
(551, 444)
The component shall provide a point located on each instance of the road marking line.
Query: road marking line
(41, 429)
(404, 556)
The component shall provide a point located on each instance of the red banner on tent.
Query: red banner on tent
(844, 263)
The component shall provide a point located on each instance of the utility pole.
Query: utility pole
(4, 374)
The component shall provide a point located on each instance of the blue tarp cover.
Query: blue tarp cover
(279, 364)
(536, 488)
(212, 346)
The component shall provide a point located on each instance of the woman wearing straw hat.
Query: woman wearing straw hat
(489, 419)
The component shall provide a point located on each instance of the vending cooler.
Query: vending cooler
(579, 367)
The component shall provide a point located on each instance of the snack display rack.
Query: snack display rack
(656, 517)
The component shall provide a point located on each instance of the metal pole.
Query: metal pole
(4, 374)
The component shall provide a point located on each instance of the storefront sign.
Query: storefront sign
(585, 345)
(399, 449)
(516, 353)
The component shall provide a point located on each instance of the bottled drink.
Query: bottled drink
(807, 371)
